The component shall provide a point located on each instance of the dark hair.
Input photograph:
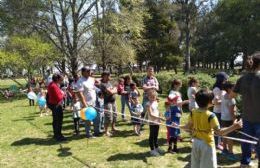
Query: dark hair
(85, 69)
(132, 85)
(203, 98)
(100, 93)
(228, 85)
(105, 73)
(127, 77)
(56, 77)
(256, 60)
(192, 80)
(220, 77)
(176, 82)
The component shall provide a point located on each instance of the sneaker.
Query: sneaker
(232, 157)
(175, 150)
(154, 153)
(160, 151)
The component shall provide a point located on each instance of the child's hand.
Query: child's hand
(163, 119)
(174, 124)
(238, 124)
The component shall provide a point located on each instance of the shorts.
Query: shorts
(227, 124)
(110, 113)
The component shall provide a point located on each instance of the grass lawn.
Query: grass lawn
(26, 141)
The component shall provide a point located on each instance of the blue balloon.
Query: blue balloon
(90, 113)
(42, 102)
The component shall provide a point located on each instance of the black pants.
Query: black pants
(31, 102)
(174, 141)
(57, 116)
(76, 125)
(153, 137)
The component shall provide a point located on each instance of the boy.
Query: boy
(203, 125)
(228, 108)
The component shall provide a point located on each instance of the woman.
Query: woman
(55, 99)
(125, 95)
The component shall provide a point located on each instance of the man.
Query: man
(109, 102)
(248, 86)
(55, 98)
(149, 83)
(87, 94)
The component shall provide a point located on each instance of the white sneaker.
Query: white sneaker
(160, 151)
(154, 153)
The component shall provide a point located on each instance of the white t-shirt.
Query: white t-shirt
(218, 94)
(76, 109)
(226, 102)
(174, 94)
(192, 104)
(87, 86)
(154, 112)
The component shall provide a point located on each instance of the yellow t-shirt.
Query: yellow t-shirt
(203, 124)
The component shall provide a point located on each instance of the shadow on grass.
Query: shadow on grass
(34, 141)
(185, 159)
(184, 150)
(145, 142)
(129, 156)
(224, 161)
(123, 133)
(64, 152)
(11, 99)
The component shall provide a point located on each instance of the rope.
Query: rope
(171, 126)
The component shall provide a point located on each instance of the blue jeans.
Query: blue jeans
(97, 122)
(87, 128)
(145, 101)
(124, 101)
(216, 138)
(252, 129)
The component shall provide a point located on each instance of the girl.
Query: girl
(134, 93)
(176, 103)
(192, 90)
(154, 117)
(31, 100)
(76, 114)
(221, 79)
(125, 96)
(42, 97)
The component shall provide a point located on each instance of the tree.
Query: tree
(26, 53)
(67, 25)
(161, 34)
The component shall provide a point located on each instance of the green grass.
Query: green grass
(6, 83)
(25, 141)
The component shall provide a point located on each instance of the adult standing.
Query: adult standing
(218, 92)
(87, 94)
(248, 86)
(149, 83)
(125, 96)
(109, 102)
(55, 98)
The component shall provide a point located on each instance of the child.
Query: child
(154, 116)
(204, 124)
(99, 120)
(121, 91)
(192, 90)
(31, 100)
(134, 93)
(167, 116)
(228, 107)
(136, 110)
(176, 104)
(43, 106)
(76, 114)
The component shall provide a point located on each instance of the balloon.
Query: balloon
(90, 113)
(42, 102)
(32, 96)
(82, 114)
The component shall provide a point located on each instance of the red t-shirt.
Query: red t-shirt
(55, 94)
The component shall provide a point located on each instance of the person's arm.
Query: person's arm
(224, 131)
(111, 90)
(82, 99)
(145, 87)
(186, 127)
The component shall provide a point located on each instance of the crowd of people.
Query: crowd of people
(206, 127)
